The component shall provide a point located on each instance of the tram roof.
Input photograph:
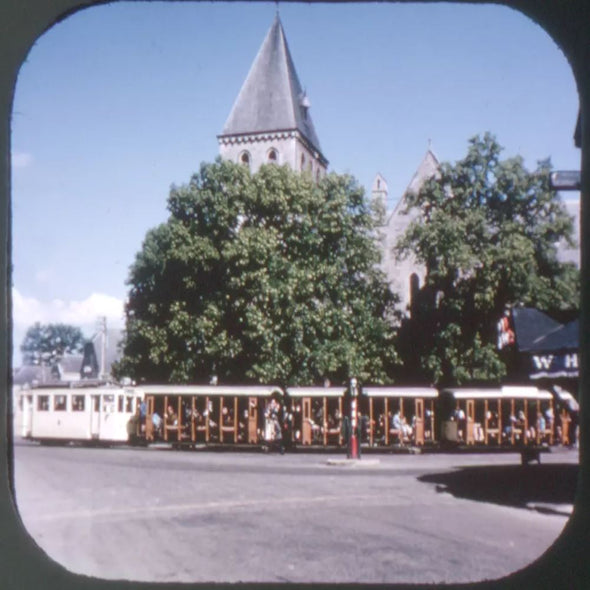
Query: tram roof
(211, 390)
(316, 391)
(384, 391)
(506, 392)
(75, 388)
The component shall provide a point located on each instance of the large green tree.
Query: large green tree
(486, 231)
(44, 344)
(266, 277)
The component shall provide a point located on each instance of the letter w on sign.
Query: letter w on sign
(543, 362)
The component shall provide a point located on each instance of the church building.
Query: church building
(405, 277)
(270, 120)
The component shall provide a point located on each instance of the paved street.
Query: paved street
(162, 515)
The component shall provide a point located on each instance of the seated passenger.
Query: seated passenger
(478, 432)
(157, 423)
(407, 430)
(396, 422)
(171, 417)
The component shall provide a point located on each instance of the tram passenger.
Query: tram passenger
(171, 417)
(396, 422)
(296, 419)
(521, 432)
(407, 430)
(287, 425)
(428, 431)
(157, 423)
(400, 425)
(549, 417)
(461, 423)
(242, 426)
(509, 428)
(363, 427)
(207, 416)
(272, 427)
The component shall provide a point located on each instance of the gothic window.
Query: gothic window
(273, 156)
(414, 288)
(302, 162)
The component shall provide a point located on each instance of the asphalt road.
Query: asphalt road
(162, 515)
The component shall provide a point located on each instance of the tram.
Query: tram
(316, 415)
(518, 417)
(77, 412)
(508, 416)
(415, 410)
(194, 414)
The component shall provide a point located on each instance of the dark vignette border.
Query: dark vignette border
(24, 567)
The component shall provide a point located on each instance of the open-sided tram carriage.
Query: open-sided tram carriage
(511, 416)
(205, 414)
(80, 412)
(416, 410)
(317, 414)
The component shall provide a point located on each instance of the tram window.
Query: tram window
(78, 403)
(60, 403)
(108, 403)
(129, 404)
(43, 403)
(96, 403)
(120, 402)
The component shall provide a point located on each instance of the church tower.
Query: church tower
(270, 120)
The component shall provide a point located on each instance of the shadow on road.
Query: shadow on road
(510, 485)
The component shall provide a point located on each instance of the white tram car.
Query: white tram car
(76, 412)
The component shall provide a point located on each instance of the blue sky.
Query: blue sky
(118, 102)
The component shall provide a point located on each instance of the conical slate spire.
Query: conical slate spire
(272, 99)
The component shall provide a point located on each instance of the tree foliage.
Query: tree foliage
(45, 344)
(267, 277)
(486, 232)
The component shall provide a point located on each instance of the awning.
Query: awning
(567, 398)
(530, 325)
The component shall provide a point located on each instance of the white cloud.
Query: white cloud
(21, 159)
(84, 314)
(28, 310)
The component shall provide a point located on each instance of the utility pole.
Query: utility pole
(102, 327)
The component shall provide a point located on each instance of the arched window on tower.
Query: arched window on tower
(302, 162)
(245, 159)
(273, 156)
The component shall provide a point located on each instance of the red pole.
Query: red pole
(354, 448)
